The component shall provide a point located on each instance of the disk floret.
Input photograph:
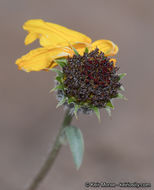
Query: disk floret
(91, 79)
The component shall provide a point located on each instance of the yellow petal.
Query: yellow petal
(41, 58)
(52, 34)
(30, 38)
(106, 46)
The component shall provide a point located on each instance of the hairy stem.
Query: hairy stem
(52, 154)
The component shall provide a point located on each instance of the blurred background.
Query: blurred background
(117, 149)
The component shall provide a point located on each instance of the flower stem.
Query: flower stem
(52, 154)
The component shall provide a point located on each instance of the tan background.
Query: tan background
(118, 149)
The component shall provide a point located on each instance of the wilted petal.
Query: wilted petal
(41, 58)
(52, 34)
(106, 46)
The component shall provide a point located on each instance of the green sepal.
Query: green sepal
(76, 107)
(109, 104)
(121, 96)
(59, 79)
(122, 75)
(61, 62)
(86, 50)
(70, 100)
(75, 51)
(58, 87)
(57, 71)
(97, 112)
(75, 139)
(108, 110)
(62, 101)
(122, 88)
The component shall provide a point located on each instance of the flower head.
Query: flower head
(88, 78)
(88, 82)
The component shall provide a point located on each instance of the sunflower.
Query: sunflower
(57, 41)
(88, 79)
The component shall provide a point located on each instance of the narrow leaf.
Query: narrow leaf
(76, 143)
(97, 112)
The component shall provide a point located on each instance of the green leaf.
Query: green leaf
(58, 87)
(61, 62)
(97, 112)
(86, 50)
(62, 101)
(109, 104)
(75, 51)
(121, 96)
(122, 75)
(108, 110)
(122, 88)
(76, 143)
